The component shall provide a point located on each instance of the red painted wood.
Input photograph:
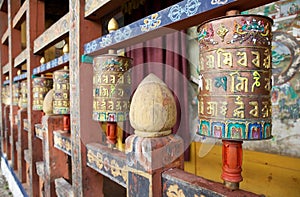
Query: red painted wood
(232, 157)
(23, 145)
(55, 161)
(34, 15)
(111, 133)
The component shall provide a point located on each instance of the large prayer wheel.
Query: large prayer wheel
(61, 94)
(235, 78)
(111, 88)
(41, 86)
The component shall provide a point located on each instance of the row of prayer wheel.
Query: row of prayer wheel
(41, 85)
(234, 102)
(234, 81)
(61, 91)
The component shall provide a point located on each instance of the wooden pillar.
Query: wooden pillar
(153, 149)
(14, 48)
(34, 15)
(7, 132)
(14, 138)
(85, 181)
(55, 161)
(23, 145)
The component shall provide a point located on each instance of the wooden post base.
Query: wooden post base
(232, 156)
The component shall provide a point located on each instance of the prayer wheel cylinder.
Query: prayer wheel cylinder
(235, 78)
(23, 98)
(16, 93)
(5, 94)
(40, 86)
(61, 95)
(111, 88)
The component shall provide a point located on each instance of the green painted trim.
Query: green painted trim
(86, 59)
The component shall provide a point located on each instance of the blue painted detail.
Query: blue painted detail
(15, 176)
(267, 130)
(52, 64)
(177, 12)
(218, 129)
(122, 34)
(20, 77)
(136, 182)
(255, 131)
(34, 71)
(152, 22)
(236, 130)
(219, 2)
(204, 128)
(221, 82)
(190, 9)
(6, 82)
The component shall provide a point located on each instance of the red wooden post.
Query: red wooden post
(55, 161)
(232, 157)
(23, 144)
(111, 133)
(66, 123)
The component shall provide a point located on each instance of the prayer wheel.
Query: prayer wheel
(111, 92)
(111, 88)
(61, 95)
(235, 78)
(40, 86)
(5, 94)
(23, 99)
(234, 100)
(16, 93)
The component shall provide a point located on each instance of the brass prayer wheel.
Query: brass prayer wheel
(111, 88)
(234, 100)
(61, 94)
(40, 86)
(16, 93)
(5, 94)
(23, 99)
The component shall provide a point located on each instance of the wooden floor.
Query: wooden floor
(268, 174)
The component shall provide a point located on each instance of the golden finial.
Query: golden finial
(112, 25)
(42, 60)
(66, 48)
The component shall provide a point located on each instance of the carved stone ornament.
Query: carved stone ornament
(153, 109)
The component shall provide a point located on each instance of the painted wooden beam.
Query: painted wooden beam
(52, 65)
(62, 141)
(179, 16)
(179, 182)
(54, 33)
(5, 69)
(20, 16)
(109, 162)
(4, 39)
(21, 58)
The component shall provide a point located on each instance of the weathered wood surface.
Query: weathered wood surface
(178, 182)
